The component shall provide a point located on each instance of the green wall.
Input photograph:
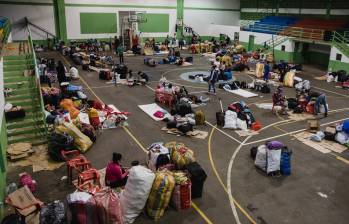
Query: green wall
(3, 147)
(156, 23)
(93, 23)
(337, 65)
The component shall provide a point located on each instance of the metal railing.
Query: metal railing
(341, 42)
(38, 85)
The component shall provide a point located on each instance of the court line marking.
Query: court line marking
(222, 184)
(201, 213)
(223, 132)
(232, 159)
(290, 133)
(339, 94)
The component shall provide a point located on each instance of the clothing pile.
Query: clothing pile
(13, 112)
(273, 158)
(239, 116)
(338, 133)
(341, 77)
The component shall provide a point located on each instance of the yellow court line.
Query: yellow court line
(220, 180)
(340, 158)
(201, 213)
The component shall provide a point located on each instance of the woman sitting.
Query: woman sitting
(115, 175)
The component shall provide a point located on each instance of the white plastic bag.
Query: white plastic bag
(137, 189)
(330, 78)
(230, 119)
(261, 158)
(273, 160)
(342, 138)
(240, 124)
(155, 150)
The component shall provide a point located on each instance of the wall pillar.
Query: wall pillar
(60, 22)
(180, 16)
(328, 9)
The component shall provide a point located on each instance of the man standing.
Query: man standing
(266, 71)
(120, 51)
(320, 100)
(213, 79)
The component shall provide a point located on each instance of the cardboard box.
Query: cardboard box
(24, 201)
(313, 125)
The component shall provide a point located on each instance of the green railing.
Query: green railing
(38, 86)
(341, 43)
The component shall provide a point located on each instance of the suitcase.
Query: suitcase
(105, 75)
(220, 115)
(197, 177)
(122, 70)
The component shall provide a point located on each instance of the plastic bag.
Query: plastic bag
(273, 160)
(135, 195)
(261, 157)
(230, 120)
(318, 136)
(53, 213)
(108, 206)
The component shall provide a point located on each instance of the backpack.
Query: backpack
(171, 124)
(342, 76)
(183, 109)
(265, 88)
(188, 59)
(220, 118)
(292, 103)
(236, 107)
(285, 161)
(298, 110)
(253, 152)
(199, 118)
(185, 128)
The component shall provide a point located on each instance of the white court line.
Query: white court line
(223, 132)
(150, 88)
(231, 162)
(290, 133)
(339, 94)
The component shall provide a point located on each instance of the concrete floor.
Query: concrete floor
(292, 199)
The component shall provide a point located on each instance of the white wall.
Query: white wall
(200, 20)
(216, 30)
(222, 4)
(260, 38)
(42, 16)
(125, 2)
(334, 52)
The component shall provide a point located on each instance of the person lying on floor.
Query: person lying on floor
(115, 175)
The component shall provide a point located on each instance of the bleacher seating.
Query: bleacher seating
(316, 29)
(272, 24)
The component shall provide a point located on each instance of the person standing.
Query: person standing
(213, 79)
(120, 51)
(321, 100)
(116, 43)
(61, 72)
(266, 71)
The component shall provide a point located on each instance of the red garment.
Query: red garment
(114, 172)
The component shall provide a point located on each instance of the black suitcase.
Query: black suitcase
(122, 70)
(220, 118)
(197, 177)
(104, 75)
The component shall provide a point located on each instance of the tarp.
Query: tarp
(150, 109)
(241, 92)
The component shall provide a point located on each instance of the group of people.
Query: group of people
(320, 99)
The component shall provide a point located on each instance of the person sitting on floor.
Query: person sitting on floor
(115, 175)
(279, 99)
(143, 76)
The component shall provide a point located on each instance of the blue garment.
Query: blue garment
(321, 100)
(266, 72)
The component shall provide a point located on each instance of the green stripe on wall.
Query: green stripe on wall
(93, 23)
(338, 65)
(156, 23)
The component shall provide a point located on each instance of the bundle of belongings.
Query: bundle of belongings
(338, 133)
(13, 112)
(103, 207)
(273, 158)
(19, 150)
(259, 86)
(239, 116)
(341, 77)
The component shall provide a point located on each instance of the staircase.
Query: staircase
(340, 42)
(18, 57)
(276, 41)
